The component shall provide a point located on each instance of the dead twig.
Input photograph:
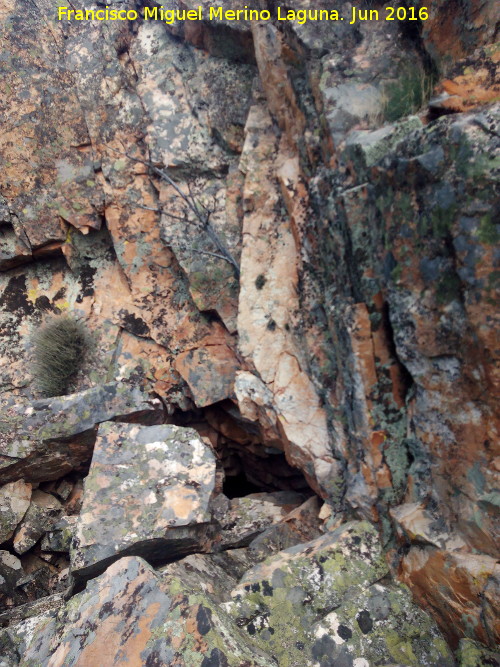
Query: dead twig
(201, 212)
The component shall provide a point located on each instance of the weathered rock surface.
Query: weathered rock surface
(14, 501)
(473, 654)
(59, 537)
(142, 621)
(175, 616)
(45, 439)
(148, 494)
(351, 173)
(11, 571)
(463, 587)
(42, 515)
(242, 519)
(302, 524)
(286, 605)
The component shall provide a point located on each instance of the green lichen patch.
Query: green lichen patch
(382, 626)
(474, 654)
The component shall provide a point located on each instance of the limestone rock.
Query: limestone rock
(148, 493)
(128, 611)
(242, 519)
(45, 439)
(43, 513)
(319, 603)
(14, 501)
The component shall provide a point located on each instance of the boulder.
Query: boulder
(59, 537)
(300, 525)
(148, 493)
(14, 501)
(320, 603)
(43, 513)
(304, 606)
(45, 439)
(242, 519)
(462, 588)
(11, 572)
(151, 619)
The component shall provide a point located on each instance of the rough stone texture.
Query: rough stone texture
(129, 614)
(60, 536)
(300, 525)
(147, 494)
(14, 501)
(43, 513)
(11, 571)
(361, 341)
(15, 640)
(381, 623)
(473, 654)
(449, 36)
(242, 519)
(132, 613)
(464, 588)
(268, 301)
(45, 439)
(286, 605)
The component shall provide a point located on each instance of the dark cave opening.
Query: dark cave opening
(237, 486)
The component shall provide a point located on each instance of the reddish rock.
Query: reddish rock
(462, 588)
(209, 372)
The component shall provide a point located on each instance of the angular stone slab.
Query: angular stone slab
(175, 617)
(44, 440)
(11, 571)
(129, 615)
(59, 538)
(43, 513)
(14, 501)
(147, 494)
(287, 606)
(242, 519)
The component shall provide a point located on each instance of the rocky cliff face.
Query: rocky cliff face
(283, 238)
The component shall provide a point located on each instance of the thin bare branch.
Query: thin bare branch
(203, 252)
(201, 212)
(149, 208)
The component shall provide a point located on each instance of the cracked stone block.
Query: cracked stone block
(42, 514)
(148, 493)
(45, 439)
(14, 501)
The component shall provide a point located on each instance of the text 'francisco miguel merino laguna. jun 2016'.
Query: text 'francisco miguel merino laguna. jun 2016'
(170, 15)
